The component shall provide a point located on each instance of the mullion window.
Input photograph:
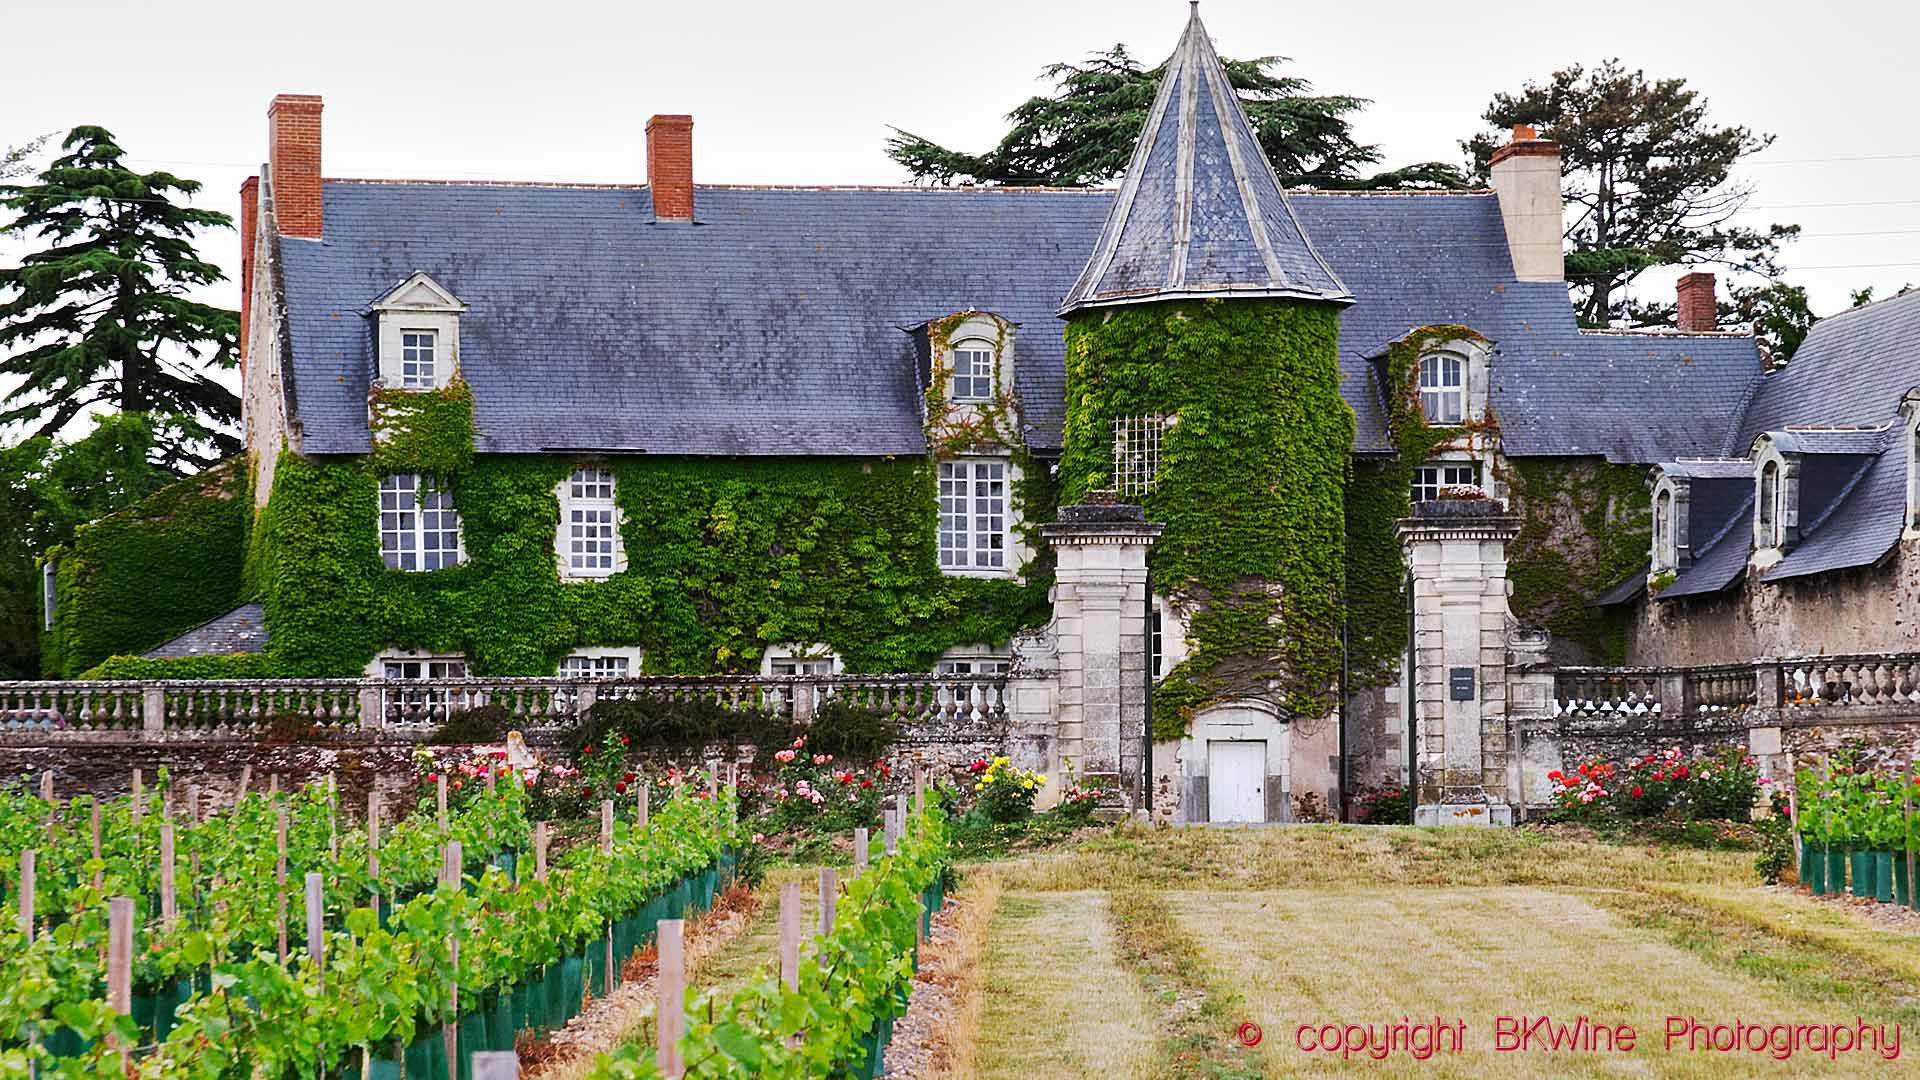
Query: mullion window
(418, 361)
(592, 523)
(973, 515)
(419, 526)
(1430, 480)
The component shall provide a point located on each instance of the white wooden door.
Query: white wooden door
(1236, 781)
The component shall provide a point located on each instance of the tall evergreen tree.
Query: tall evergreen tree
(99, 316)
(1084, 133)
(1648, 183)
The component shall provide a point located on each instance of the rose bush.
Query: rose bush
(1664, 784)
(1005, 792)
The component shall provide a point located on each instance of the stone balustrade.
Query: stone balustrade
(238, 708)
(1888, 681)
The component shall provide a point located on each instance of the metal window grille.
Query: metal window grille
(417, 358)
(429, 703)
(419, 527)
(1136, 453)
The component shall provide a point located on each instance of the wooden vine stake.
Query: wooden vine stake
(316, 925)
(450, 873)
(373, 845)
(645, 797)
(26, 893)
(333, 815)
(919, 788)
(672, 997)
(240, 789)
(861, 846)
(99, 876)
(1793, 820)
(169, 902)
(280, 874)
(606, 850)
(829, 896)
(440, 800)
(790, 935)
(46, 796)
(120, 963)
(490, 776)
(139, 799)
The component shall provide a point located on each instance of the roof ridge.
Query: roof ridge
(1662, 331)
(908, 189)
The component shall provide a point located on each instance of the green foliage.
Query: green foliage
(234, 666)
(1084, 134)
(1379, 494)
(1649, 182)
(724, 559)
(100, 315)
(423, 431)
(1585, 525)
(1249, 485)
(138, 577)
(47, 490)
(1778, 313)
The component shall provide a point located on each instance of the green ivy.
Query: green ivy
(424, 431)
(234, 666)
(991, 426)
(724, 559)
(1585, 526)
(1249, 485)
(164, 565)
(1379, 494)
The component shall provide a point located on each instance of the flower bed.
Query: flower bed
(1667, 785)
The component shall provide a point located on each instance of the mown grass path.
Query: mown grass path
(1139, 954)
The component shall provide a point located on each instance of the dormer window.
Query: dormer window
(418, 335)
(418, 358)
(972, 372)
(1443, 388)
(1665, 550)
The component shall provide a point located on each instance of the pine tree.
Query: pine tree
(100, 315)
(1085, 132)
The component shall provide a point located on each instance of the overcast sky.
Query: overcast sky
(804, 93)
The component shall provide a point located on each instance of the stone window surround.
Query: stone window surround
(1783, 531)
(417, 304)
(563, 492)
(1910, 409)
(977, 329)
(1477, 358)
(1673, 549)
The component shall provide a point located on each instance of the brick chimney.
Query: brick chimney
(249, 213)
(1526, 178)
(293, 162)
(670, 167)
(1697, 309)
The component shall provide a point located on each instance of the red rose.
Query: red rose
(866, 783)
(628, 778)
(1636, 791)
(619, 789)
(1659, 775)
(433, 778)
(588, 750)
(624, 741)
(1681, 772)
(586, 789)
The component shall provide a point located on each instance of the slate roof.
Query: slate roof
(1709, 469)
(1851, 370)
(1860, 518)
(776, 325)
(1721, 556)
(242, 630)
(1200, 212)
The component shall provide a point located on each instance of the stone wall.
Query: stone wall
(1872, 609)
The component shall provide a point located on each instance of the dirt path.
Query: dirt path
(607, 1022)
(935, 1038)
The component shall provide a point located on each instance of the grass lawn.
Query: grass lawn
(1139, 953)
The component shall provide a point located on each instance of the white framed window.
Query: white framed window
(788, 666)
(591, 666)
(419, 358)
(1136, 452)
(431, 701)
(973, 515)
(974, 665)
(1443, 388)
(590, 525)
(972, 372)
(1430, 480)
(419, 527)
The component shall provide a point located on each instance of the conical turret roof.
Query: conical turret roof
(1200, 213)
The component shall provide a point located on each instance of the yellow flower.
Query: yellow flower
(1029, 785)
(977, 787)
(1042, 778)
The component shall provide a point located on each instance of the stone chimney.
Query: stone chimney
(670, 167)
(249, 213)
(1697, 309)
(293, 163)
(1526, 177)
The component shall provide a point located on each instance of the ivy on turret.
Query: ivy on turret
(1249, 484)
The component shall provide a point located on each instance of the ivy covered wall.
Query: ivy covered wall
(134, 579)
(1250, 484)
(1586, 525)
(724, 557)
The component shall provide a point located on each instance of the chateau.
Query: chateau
(670, 428)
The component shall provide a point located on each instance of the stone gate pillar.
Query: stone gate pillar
(1456, 551)
(1100, 624)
